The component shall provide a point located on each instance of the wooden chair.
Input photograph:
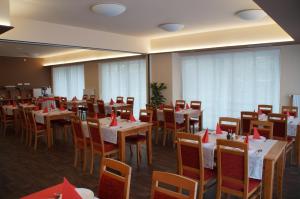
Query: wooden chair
(90, 108)
(24, 125)
(125, 112)
(155, 123)
(232, 158)
(264, 128)
(140, 139)
(120, 100)
(81, 143)
(98, 145)
(292, 110)
(6, 120)
(280, 130)
(101, 109)
(114, 185)
(130, 100)
(63, 102)
(230, 124)
(246, 118)
(180, 104)
(196, 105)
(93, 98)
(191, 163)
(172, 180)
(265, 109)
(37, 130)
(85, 97)
(170, 124)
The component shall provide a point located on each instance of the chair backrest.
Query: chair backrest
(31, 120)
(169, 114)
(85, 97)
(22, 115)
(125, 112)
(279, 125)
(190, 156)
(230, 124)
(90, 108)
(120, 99)
(95, 134)
(130, 100)
(196, 105)
(146, 115)
(154, 112)
(173, 180)
(63, 99)
(77, 128)
(114, 185)
(101, 108)
(232, 158)
(180, 104)
(264, 128)
(57, 101)
(266, 109)
(292, 110)
(246, 118)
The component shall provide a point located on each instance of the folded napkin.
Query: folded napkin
(205, 137)
(62, 108)
(52, 106)
(246, 139)
(131, 118)
(45, 110)
(111, 102)
(187, 106)
(177, 109)
(256, 134)
(113, 120)
(68, 191)
(161, 107)
(36, 108)
(74, 98)
(218, 129)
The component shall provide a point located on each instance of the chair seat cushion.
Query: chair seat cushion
(172, 126)
(253, 183)
(209, 174)
(135, 139)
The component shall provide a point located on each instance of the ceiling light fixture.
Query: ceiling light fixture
(251, 14)
(108, 9)
(171, 27)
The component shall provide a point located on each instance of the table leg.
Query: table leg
(187, 122)
(297, 146)
(149, 145)
(49, 136)
(122, 147)
(280, 172)
(268, 179)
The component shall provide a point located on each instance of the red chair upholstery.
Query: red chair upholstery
(90, 108)
(101, 109)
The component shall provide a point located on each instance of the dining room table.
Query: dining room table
(45, 118)
(117, 134)
(266, 157)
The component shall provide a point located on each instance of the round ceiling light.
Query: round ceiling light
(251, 14)
(171, 27)
(108, 9)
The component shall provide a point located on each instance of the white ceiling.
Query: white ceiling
(142, 16)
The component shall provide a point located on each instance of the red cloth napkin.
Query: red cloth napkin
(177, 109)
(36, 108)
(52, 106)
(246, 139)
(288, 114)
(111, 102)
(68, 191)
(14, 104)
(256, 134)
(161, 107)
(218, 129)
(113, 120)
(187, 106)
(45, 110)
(62, 108)
(131, 118)
(95, 116)
(74, 99)
(205, 137)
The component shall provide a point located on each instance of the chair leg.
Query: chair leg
(130, 147)
(35, 141)
(30, 139)
(174, 138)
(76, 157)
(156, 135)
(165, 136)
(84, 160)
(200, 192)
(92, 163)
(138, 154)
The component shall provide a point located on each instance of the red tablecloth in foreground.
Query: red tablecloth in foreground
(46, 193)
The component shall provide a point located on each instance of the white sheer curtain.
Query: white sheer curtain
(124, 78)
(68, 81)
(228, 83)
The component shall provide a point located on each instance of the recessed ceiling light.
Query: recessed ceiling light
(171, 27)
(251, 14)
(108, 9)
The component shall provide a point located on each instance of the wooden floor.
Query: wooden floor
(23, 171)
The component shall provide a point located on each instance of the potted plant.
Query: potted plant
(157, 97)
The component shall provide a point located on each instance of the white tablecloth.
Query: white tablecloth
(40, 116)
(110, 133)
(47, 103)
(292, 126)
(256, 158)
(179, 115)
(9, 109)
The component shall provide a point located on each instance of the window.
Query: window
(228, 83)
(68, 81)
(124, 78)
